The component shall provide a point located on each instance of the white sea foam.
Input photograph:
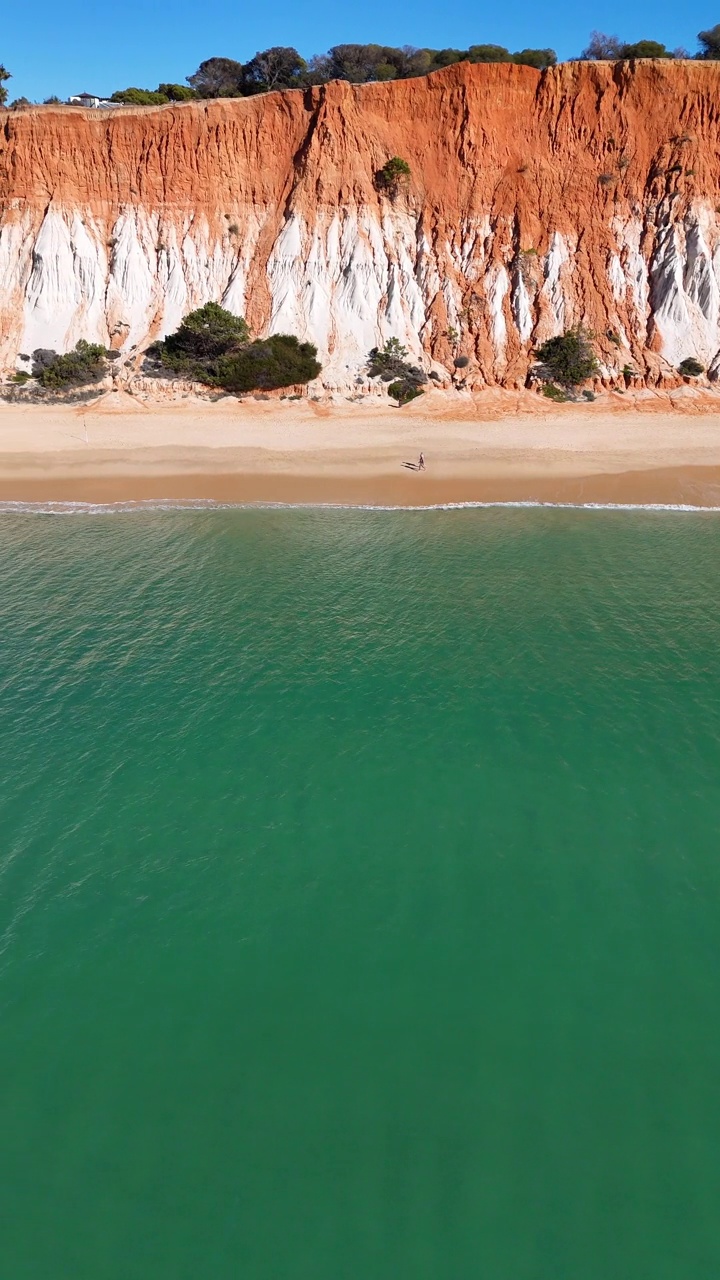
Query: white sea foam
(209, 504)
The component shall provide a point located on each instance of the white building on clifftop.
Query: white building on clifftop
(89, 100)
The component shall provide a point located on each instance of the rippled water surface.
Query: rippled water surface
(360, 896)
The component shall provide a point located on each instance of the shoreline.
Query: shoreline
(120, 452)
(696, 488)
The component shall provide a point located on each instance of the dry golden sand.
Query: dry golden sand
(121, 450)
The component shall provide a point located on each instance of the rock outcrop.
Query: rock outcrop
(588, 193)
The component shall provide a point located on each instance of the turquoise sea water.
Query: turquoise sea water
(360, 896)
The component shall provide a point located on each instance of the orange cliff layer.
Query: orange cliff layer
(587, 193)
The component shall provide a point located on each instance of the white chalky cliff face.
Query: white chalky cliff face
(584, 194)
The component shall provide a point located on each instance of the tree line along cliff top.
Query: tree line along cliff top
(282, 67)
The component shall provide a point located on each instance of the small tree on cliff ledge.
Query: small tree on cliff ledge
(4, 75)
(393, 177)
(568, 360)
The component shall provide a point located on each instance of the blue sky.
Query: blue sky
(69, 46)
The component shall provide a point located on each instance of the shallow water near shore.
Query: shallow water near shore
(359, 895)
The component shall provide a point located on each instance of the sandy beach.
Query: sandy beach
(120, 450)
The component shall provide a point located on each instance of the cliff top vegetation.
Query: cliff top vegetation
(392, 365)
(282, 67)
(567, 360)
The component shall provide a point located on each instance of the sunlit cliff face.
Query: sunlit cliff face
(589, 193)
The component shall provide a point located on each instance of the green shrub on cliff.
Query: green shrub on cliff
(283, 68)
(394, 175)
(610, 49)
(203, 336)
(541, 59)
(388, 362)
(4, 75)
(392, 365)
(403, 392)
(214, 347)
(568, 359)
(134, 97)
(177, 92)
(269, 363)
(645, 49)
(87, 363)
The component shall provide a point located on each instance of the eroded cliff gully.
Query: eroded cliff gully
(587, 193)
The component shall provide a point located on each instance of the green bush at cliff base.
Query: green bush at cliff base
(392, 365)
(404, 392)
(214, 347)
(691, 368)
(204, 335)
(87, 363)
(269, 363)
(568, 359)
(388, 362)
(555, 393)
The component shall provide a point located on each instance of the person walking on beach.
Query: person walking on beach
(421, 462)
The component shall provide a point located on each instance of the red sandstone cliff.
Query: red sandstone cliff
(587, 193)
